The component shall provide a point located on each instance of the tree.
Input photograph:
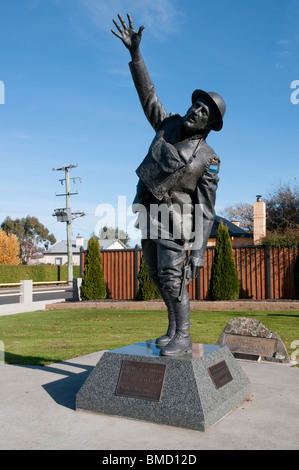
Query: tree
(9, 248)
(93, 284)
(283, 216)
(147, 288)
(242, 213)
(224, 284)
(282, 208)
(111, 233)
(33, 236)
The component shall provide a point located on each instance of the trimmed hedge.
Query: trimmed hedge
(38, 273)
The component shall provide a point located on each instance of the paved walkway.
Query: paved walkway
(37, 412)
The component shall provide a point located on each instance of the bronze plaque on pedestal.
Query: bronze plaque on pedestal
(142, 380)
(220, 374)
(251, 345)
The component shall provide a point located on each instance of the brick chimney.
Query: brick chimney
(259, 220)
(79, 240)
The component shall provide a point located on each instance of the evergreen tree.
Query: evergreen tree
(147, 288)
(224, 284)
(93, 284)
(296, 276)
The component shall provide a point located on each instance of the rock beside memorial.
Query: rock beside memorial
(249, 339)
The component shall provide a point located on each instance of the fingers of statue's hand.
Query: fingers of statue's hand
(189, 273)
(115, 34)
(131, 24)
(120, 36)
(194, 272)
(122, 22)
(140, 30)
(126, 32)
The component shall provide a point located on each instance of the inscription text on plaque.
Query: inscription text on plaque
(142, 380)
(220, 374)
(251, 345)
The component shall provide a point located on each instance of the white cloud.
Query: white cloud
(284, 53)
(161, 18)
(284, 42)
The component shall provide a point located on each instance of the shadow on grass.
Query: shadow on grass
(282, 315)
(17, 359)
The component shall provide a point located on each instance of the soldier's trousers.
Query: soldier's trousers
(165, 261)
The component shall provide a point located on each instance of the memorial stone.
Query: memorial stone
(248, 338)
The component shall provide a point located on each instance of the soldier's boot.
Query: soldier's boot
(181, 342)
(164, 339)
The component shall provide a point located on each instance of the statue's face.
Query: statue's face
(198, 116)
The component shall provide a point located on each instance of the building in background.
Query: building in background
(57, 254)
(238, 236)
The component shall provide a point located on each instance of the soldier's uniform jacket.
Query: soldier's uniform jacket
(177, 172)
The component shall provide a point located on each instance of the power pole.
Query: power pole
(66, 215)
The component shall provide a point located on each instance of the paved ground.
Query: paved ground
(37, 412)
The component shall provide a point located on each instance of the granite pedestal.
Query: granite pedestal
(194, 391)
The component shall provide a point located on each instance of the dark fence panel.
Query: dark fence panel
(263, 272)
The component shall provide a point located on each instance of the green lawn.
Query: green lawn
(41, 338)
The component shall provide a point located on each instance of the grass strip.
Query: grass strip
(45, 337)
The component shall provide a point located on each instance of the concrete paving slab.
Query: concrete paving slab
(37, 411)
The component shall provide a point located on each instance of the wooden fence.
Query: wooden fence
(263, 272)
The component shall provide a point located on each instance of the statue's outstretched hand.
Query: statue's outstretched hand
(128, 35)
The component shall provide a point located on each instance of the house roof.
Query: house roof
(105, 244)
(61, 247)
(234, 230)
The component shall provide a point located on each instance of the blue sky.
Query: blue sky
(69, 99)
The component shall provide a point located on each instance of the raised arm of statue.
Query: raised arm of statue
(151, 105)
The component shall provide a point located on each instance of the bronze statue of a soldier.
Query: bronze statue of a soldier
(179, 173)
